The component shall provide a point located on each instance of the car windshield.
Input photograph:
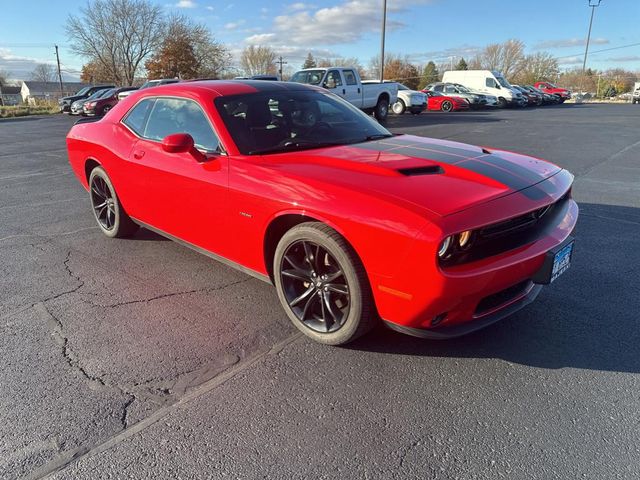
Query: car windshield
(310, 77)
(83, 91)
(96, 94)
(502, 81)
(107, 92)
(283, 121)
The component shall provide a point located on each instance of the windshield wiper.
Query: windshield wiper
(294, 145)
(377, 136)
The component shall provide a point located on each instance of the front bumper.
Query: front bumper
(446, 332)
(423, 297)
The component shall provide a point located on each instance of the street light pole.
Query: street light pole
(384, 26)
(593, 4)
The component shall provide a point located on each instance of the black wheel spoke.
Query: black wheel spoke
(338, 288)
(308, 254)
(331, 308)
(305, 295)
(333, 276)
(310, 301)
(297, 274)
(102, 200)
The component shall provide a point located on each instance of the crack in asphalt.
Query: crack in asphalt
(166, 295)
(70, 457)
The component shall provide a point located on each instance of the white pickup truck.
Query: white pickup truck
(370, 97)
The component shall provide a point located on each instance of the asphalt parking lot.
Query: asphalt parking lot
(139, 358)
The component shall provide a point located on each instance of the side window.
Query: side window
(176, 115)
(437, 88)
(350, 77)
(137, 117)
(333, 79)
(450, 89)
(490, 82)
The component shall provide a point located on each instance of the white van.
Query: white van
(486, 81)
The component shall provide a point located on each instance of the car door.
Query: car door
(351, 90)
(176, 193)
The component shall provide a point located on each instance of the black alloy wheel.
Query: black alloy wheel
(107, 210)
(322, 284)
(315, 286)
(446, 106)
(103, 203)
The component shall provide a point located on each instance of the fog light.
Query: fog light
(444, 247)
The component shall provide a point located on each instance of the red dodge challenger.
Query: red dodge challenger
(352, 224)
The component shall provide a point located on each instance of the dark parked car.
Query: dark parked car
(106, 102)
(76, 107)
(65, 102)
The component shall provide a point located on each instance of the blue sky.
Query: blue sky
(423, 29)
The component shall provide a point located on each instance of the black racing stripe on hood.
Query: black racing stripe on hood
(495, 173)
(492, 166)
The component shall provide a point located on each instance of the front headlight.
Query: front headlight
(464, 239)
(444, 247)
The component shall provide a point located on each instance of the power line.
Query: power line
(603, 50)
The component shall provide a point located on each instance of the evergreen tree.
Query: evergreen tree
(462, 65)
(430, 74)
(310, 62)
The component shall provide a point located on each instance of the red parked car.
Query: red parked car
(352, 224)
(562, 93)
(106, 102)
(444, 103)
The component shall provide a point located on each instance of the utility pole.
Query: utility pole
(384, 26)
(593, 4)
(281, 63)
(59, 73)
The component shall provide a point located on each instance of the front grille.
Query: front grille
(492, 302)
(509, 234)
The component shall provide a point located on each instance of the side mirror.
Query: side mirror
(182, 143)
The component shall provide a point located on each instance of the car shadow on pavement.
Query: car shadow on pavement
(149, 236)
(588, 318)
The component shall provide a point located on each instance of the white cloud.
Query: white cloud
(20, 67)
(260, 38)
(234, 25)
(569, 42)
(575, 60)
(210, 8)
(344, 23)
(185, 4)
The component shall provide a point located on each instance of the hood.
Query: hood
(441, 176)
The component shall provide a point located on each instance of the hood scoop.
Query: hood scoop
(422, 170)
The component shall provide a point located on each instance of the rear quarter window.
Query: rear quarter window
(137, 117)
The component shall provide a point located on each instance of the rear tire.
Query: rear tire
(107, 209)
(322, 284)
(446, 106)
(382, 110)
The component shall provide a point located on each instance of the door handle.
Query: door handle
(138, 154)
(358, 89)
(344, 92)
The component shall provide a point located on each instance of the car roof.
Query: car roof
(229, 87)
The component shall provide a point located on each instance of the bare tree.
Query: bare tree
(258, 59)
(506, 57)
(343, 62)
(118, 34)
(4, 75)
(44, 72)
(540, 66)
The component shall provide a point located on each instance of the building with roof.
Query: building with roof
(32, 91)
(10, 94)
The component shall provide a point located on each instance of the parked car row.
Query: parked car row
(96, 100)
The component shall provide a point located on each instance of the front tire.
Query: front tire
(399, 107)
(382, 110)
(322, 284)
(502, 103)
(107, 210)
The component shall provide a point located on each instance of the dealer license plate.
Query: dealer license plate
(562, 261)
